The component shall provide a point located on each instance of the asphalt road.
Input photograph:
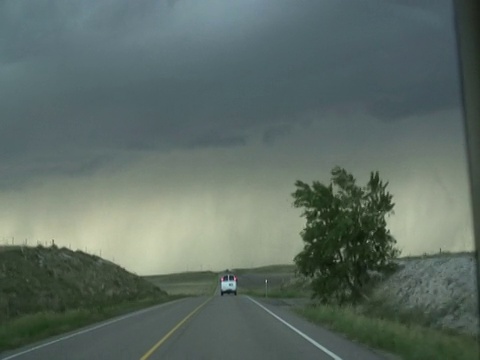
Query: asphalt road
(228, 327)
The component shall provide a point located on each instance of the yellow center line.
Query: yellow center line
(165, 338)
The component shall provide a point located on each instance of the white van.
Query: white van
(228, 284)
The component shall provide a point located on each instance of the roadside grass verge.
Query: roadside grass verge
(410, 341)
(34, 327)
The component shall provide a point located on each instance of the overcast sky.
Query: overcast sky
(169, 134)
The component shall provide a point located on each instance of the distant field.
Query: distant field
(436, 255)
(186, 283)
(250, 282)
(9, 247)
(282, 269)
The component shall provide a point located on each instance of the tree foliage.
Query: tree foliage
(345, 236)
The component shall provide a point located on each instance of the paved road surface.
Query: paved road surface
(228, 327)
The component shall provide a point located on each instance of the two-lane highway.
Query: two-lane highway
(228, 327)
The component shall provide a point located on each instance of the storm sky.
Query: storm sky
(168, 135)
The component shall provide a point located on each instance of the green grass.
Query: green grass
(410, 341)
(380, 308)
(34, 327)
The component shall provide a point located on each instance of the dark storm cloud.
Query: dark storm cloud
(15, 175)
(273, 133)
(218, 140)
(430, 95)
(157, 75)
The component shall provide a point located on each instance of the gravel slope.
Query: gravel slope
(444, 287)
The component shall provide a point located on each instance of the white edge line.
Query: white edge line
(306, 337)
(87, 330)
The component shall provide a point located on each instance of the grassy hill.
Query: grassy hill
(53, 279)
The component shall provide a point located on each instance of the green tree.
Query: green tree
(345, 236)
